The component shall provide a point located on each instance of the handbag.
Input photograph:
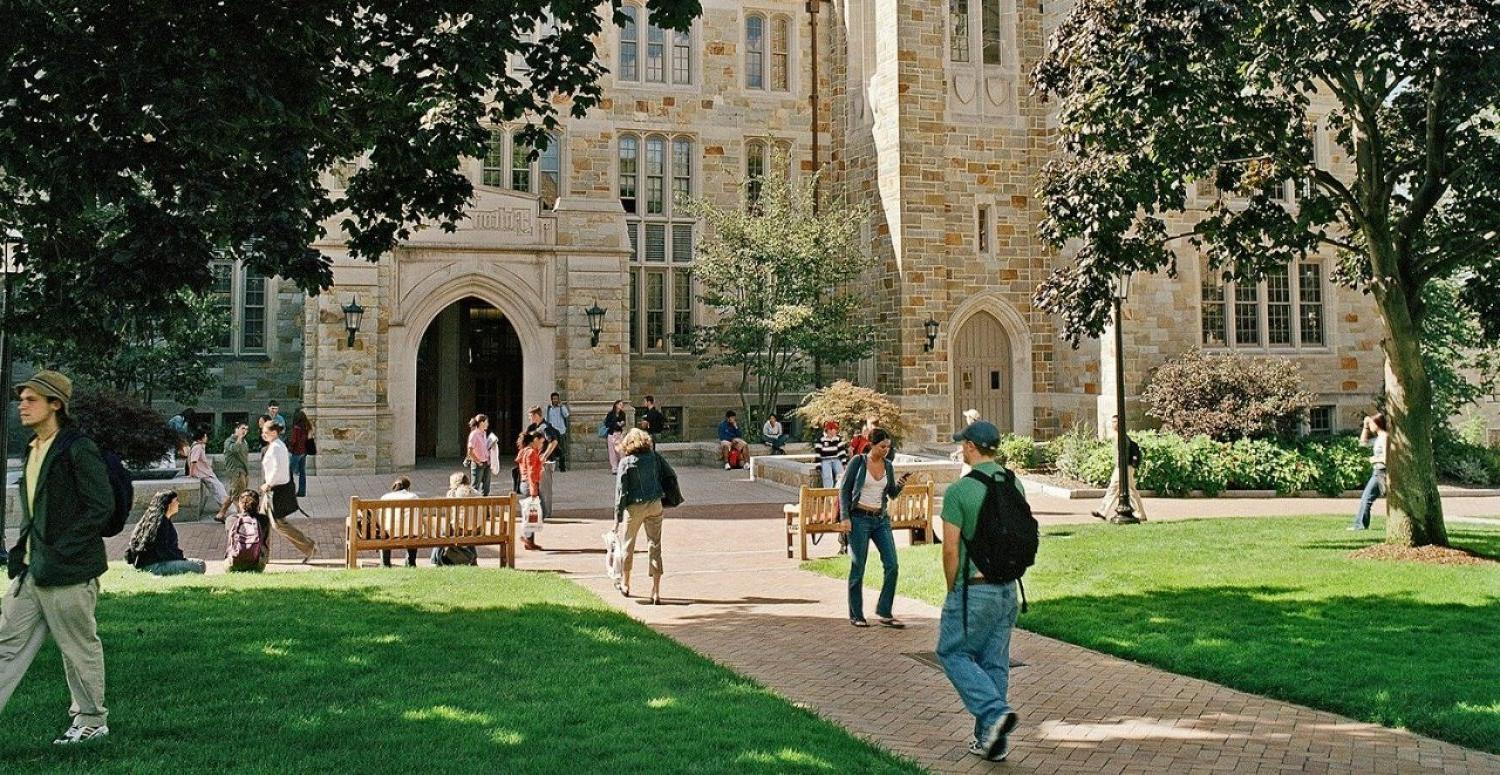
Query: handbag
(531, 513)
(604, 429)
(312, 445)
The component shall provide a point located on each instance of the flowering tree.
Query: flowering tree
(771, 273)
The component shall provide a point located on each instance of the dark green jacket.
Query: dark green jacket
(73, 503)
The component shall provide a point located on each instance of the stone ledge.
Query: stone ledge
(1034, 486)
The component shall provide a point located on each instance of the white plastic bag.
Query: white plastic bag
(531, 514)
(612, 555)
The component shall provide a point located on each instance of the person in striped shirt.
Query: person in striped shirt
(832, 452)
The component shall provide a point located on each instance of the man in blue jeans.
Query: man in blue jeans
(976, 652)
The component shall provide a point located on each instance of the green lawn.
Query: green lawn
(1274, 607)
(452, 670)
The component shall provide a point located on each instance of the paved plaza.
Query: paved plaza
(731, 594)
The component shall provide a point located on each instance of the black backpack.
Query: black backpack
(119, 484)
(1005, 537)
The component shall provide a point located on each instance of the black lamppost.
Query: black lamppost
(932, 328)
(353, 314)
(596, 323)
(1124, 513)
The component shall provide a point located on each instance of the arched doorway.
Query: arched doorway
(469, 362)
(982, 373)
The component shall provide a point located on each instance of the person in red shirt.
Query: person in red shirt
(529, 459)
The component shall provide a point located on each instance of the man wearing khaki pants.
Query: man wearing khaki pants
(66, 500)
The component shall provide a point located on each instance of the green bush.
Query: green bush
(1173, 466)
(1227, 397)
(1017, 451)
(1462, 461)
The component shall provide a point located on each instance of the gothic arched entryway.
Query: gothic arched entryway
(983, 378)
(469, 362)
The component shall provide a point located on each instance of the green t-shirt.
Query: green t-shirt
(961, 503)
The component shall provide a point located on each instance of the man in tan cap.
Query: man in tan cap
(66, 501)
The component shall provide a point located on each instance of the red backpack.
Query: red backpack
(247, 543)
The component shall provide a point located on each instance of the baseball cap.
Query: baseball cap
(984, 435)
(50, 384)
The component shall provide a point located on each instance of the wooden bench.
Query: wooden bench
(420, 523)
(912, 510)
(816, 511)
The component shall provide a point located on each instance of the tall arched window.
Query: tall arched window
(755, 51)
(656, 173)
(781, 29)
(668, 54)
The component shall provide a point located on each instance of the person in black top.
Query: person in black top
(1112, 494)
(614, 430)
(652, 420)
(153, 543)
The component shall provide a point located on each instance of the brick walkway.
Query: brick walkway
(732, 595)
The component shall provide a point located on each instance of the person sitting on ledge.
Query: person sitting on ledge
(774, 435)
(732, 438)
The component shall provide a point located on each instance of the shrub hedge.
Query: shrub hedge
(1174, 466)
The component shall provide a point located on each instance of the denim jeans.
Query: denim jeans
(1373, 489)
(977, 661)
(299, 470)
(862, 530)
(832, 469)
(479, 477)
(175, 567)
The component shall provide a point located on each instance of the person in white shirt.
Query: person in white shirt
(276, 469)
(1373, 433)
(774, 435)
(556, 414)
(400, 491)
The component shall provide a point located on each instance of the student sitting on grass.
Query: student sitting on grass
(153, 543)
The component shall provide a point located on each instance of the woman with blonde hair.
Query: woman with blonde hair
(644, 480)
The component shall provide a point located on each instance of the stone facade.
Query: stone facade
(944, 147)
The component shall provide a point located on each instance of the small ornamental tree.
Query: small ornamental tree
(850, 405)
(1227, 397)
(123, 423)
(772, 275)
(1153, 98)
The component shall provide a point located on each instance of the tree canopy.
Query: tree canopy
(140, 140)
(775, 274)
(1154, 96)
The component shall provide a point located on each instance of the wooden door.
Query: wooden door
(982, 372)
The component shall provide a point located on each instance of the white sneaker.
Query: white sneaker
(79, 734)
(997, 738)
(726, 466)
(975, 749)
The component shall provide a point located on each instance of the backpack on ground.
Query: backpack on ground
(736, 459)
(119, 484)
(1005, 536)
(247, 543)
(456, 555)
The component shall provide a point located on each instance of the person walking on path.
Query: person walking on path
(774, 435)
(639, 489)
(299, 445)
(236, 466)
(556, 414)
(400, 491)
(652, 420)
(529, 460)
(1111, 500)
(832, 454)
(202, 469)
(868, 484)
(732, 438)
(1373, 433)
(66, 501)
(544, 429)
(977, 616)
(281, 500)
(153, 543)
(477, 453)
(614, 428)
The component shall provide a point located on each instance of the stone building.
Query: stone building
(922, 114)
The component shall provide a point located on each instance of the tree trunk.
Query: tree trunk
(1414, 508)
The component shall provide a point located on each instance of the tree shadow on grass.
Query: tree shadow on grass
(303, 679)
(1389, 659)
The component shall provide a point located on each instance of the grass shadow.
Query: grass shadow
(411, 672)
